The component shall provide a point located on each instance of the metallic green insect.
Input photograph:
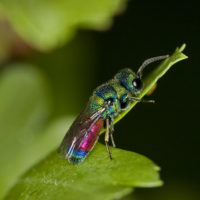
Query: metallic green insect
(106, 102)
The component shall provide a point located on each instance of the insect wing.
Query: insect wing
(82, 135)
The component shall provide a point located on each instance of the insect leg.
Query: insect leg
(107, 138)
(111, 133)
(141, 100)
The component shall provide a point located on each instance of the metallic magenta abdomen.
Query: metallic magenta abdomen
(92, 136)
(78, 155)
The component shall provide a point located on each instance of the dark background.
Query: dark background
(167, 132)
(170, 135)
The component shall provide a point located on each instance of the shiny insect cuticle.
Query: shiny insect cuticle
(106, 102)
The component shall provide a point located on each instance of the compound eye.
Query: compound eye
(137, 83)
(110, 101)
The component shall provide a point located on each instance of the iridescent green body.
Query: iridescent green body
(106, 102)
(117, 93)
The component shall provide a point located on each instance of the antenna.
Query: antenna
(149, 61)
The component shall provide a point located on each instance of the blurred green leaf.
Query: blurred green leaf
(47, 24)
(65, 73)
(24, 110)
(96, 178)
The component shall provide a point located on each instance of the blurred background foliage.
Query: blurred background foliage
(52, 57)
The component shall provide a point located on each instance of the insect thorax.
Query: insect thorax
(113, 94)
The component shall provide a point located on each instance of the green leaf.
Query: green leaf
(24, 111)
(24, 108)
(47, 24)
(96, 178)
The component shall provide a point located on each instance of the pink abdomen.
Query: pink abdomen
(91, 137)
